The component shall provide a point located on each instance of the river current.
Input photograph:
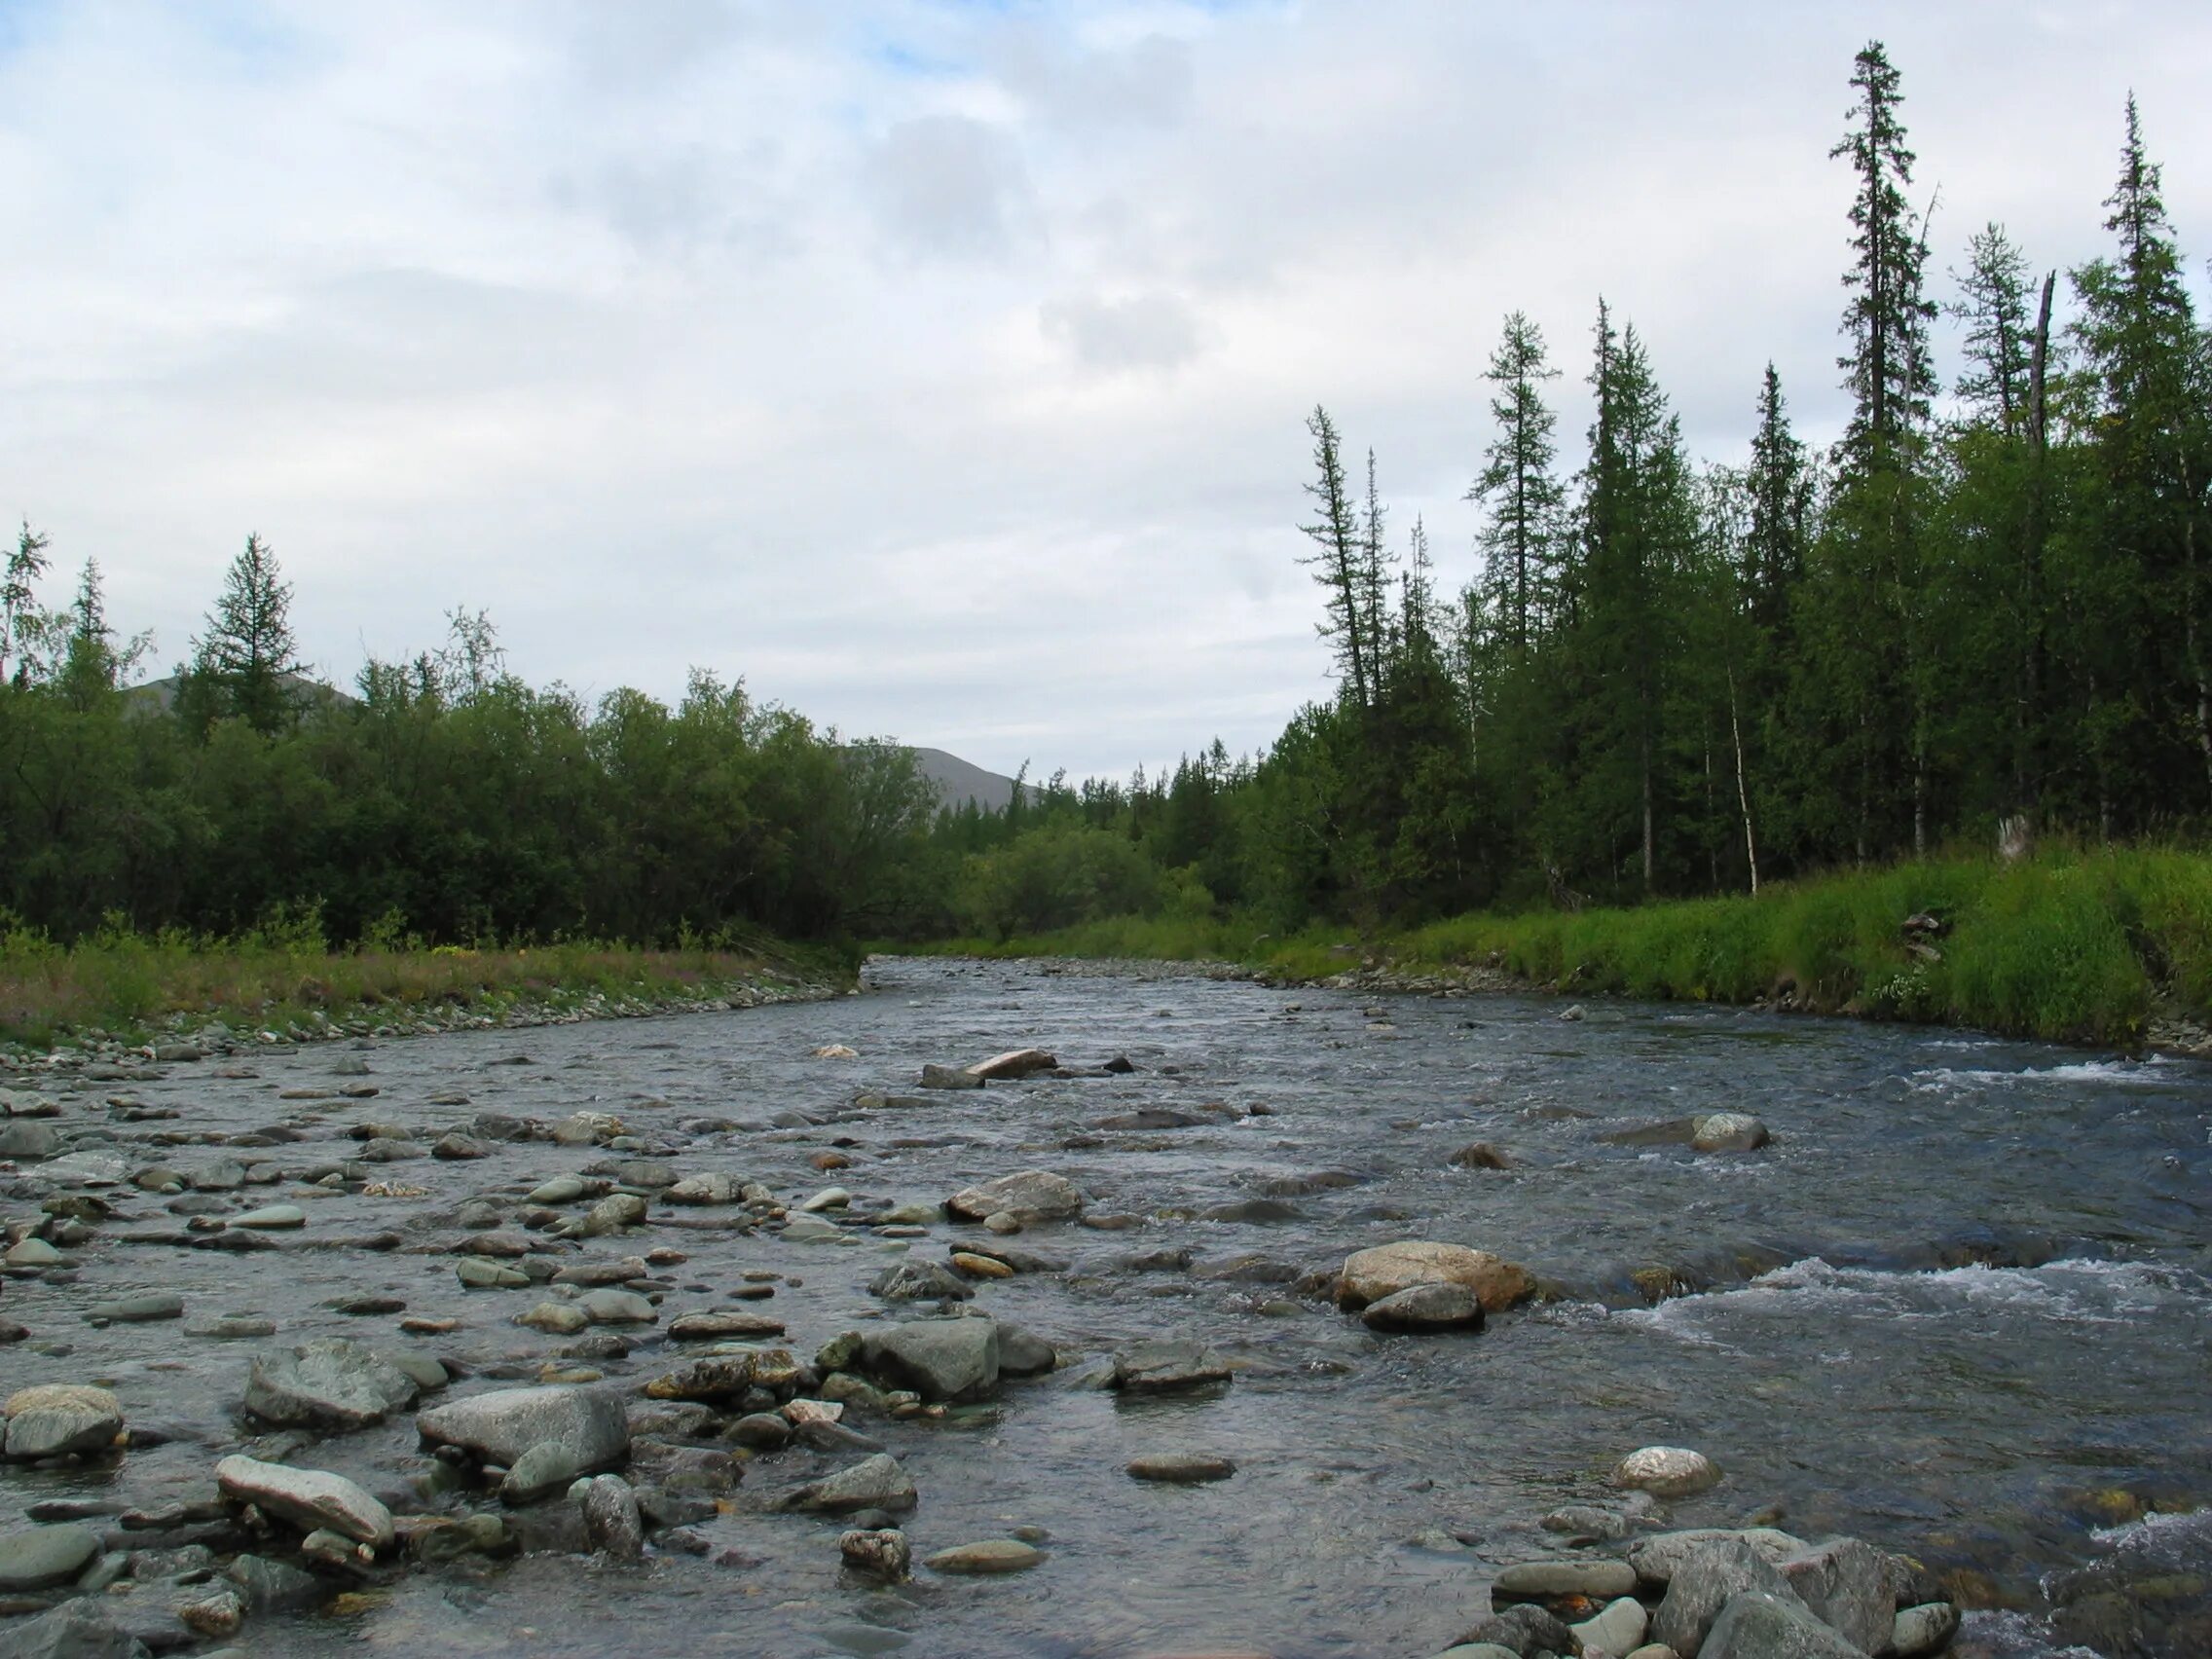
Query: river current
(1960, 1307)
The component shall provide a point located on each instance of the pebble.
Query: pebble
(989, 1555)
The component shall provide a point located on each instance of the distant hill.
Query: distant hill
(958, 780)
(160, 695)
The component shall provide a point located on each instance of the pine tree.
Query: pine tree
(1781, 502)
(1518, 484)
(1999, 336)
(248, 659)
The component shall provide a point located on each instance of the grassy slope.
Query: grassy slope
(2071, 947)
(127, 984)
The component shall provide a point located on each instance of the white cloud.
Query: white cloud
(939, 368)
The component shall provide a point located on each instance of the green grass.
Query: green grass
(132, 985)
(2074, 945)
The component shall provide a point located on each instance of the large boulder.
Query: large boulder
(328, 1383)
(1847, 1584)
(52, 1419)
(309, 1498)
(1029, 1195)
(499, 1427)
(920, 1281)
(1755, 1625)
(940, 1359)
(1706, 1581)
(1370, 1275)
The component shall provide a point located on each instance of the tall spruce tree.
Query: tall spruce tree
(1518, 485)
(244, 664)
(18, 600)
(2146, 357)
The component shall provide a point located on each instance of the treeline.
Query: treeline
(1985, 608)
(445, 802)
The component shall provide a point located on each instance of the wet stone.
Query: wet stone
(38, 1558)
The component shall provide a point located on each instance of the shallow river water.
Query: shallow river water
(1961, 1306)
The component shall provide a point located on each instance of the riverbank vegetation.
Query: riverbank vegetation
(1696, 728)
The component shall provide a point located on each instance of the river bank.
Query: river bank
(123, 996)
(2112, 947)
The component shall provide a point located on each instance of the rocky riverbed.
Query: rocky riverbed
(1006, 1311)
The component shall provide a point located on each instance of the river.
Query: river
(1960, 1307)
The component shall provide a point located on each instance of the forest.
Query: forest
(1981, 610)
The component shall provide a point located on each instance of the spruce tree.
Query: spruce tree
(1518, 484)
(19, 601)
(2146, 357)
(248, 659)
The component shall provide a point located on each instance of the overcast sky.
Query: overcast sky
(939, 370)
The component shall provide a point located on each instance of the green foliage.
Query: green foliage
(1056, 876)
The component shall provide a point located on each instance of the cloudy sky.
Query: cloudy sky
(938, 368)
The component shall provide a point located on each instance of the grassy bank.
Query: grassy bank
(120, 983)
(2072, 946)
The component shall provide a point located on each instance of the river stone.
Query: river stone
(1847, 1585)
(1541, 1580)
(1667, 1471)
(1728, 1132)
(139, 1310)
(940, 1359)
(1754, 1624)
(1013, 1064)
(329, 1382)
(309, 1498)
(51, 1419)
(1425, 1308)
(804, 1228)
(716, 1325)
(990, 1555)
(475, 1272)
(949, 1077)
(38, 1558)
(618, 1307)
(874, 1482)
(721, 1375)
(549, 1467)
(275, 1586)
(499, 1427)
(1163, 1367)
(1706, 1581)
(1523, 1629)
(561, 1190)
(272, 1218)
(75, 1630)
(1618, 1630)
(612, 1213)
(705, 1190)
(920, 1281)
(32, 1253)
(1024, 1354)
(1030, 1195)
(1180, 1468)
(1370, 1275)
(1925, 1629)
(555, 1319)
(1657, 1558)
(27, 1138)
(612, 1522)
(1478, 1650)
(881, 1552)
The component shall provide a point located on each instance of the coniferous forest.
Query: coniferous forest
(1982, 613)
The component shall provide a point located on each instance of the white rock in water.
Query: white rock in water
(1013, 1063)
(54, 1418)
(313, 1499)
(1668, 1471)
(1370, 1275)
(1727, 1131)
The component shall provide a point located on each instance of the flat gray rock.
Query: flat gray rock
(1753, 1625)
(1164, 1367)
(879, 1482)
(312, 1499)
(940, 1359)
(38, 1558)
(331, 1383)
(53, 1419)
(501, 1426)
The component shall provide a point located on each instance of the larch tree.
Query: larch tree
(245, 662)
(1518, 486)
(1340, 560)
